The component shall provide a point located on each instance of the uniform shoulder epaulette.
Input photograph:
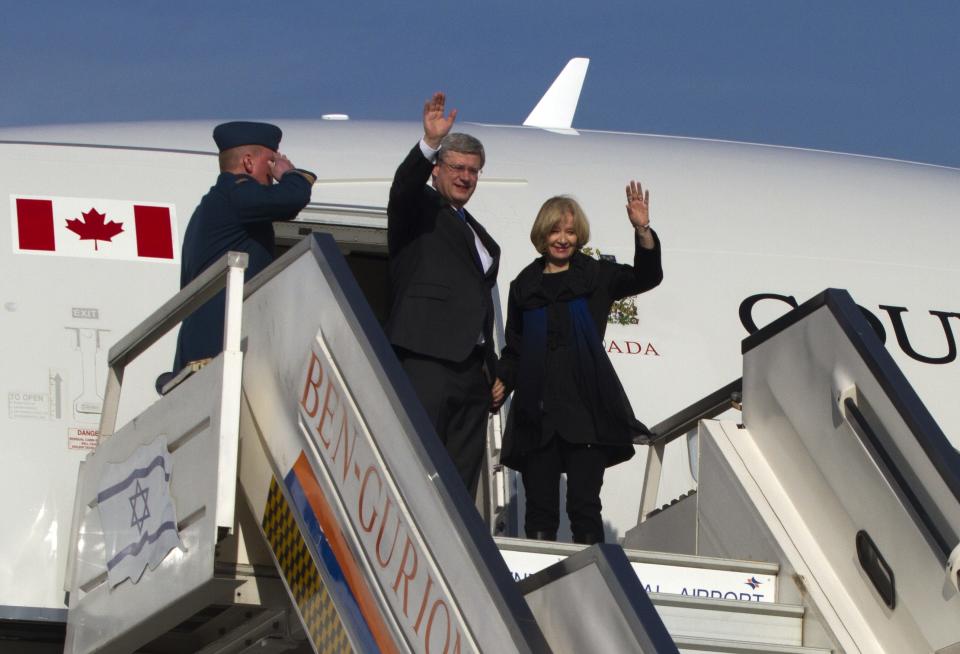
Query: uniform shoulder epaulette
(306, 174)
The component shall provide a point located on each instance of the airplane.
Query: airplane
(749, 232)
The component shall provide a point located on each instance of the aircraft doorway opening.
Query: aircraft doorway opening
(361, 233)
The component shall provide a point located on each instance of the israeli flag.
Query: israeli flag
(136, 512)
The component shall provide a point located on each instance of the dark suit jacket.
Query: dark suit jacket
(440, 297)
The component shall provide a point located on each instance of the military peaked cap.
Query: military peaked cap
(239, 132)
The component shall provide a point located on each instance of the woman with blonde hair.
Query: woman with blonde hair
(570, 413)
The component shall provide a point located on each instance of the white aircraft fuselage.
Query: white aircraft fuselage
(748, 231)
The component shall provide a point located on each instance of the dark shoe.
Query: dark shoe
(542, 535)
(588, 538)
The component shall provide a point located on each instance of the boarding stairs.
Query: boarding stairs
(295, 463)
(836, 471)
(694, 596)
(313, 515)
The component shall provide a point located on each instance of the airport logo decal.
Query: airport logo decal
(665, 578)
(94, 228)
(137, 513)
(356, 484)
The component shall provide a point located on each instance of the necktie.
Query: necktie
(462, 213)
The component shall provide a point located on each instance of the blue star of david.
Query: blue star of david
(139, 497)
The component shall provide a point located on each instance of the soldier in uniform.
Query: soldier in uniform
(237, 214)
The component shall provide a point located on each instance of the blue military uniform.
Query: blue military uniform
(236, 214)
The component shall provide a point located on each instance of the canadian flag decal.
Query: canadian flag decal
(94, 228)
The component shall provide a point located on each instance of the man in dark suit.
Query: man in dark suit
(237, 214)
(443, 266)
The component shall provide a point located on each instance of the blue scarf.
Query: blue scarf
(597, 380)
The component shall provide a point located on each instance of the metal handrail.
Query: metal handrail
(921, 509)
(211, 281)
(730, 396)
(207, 284)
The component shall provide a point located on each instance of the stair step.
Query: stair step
(690, 645)
(698, 619)
(762, 623)
(659, 572)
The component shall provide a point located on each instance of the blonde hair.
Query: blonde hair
(551, 214)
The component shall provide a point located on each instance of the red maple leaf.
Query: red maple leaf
(93, 227)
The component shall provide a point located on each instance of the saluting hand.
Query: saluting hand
(435, 124)
(279, 165)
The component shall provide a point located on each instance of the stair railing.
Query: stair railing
(675, 426)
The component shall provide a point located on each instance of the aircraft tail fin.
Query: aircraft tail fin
(558, 105)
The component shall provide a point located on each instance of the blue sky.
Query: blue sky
(877, 78)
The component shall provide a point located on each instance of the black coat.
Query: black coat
(571, 405)
(237, 214)
(440, 297)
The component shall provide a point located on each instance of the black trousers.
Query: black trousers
(584, 465)
(457, 399)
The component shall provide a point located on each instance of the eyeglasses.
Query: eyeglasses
(462, 168)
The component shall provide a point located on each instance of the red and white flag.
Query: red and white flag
(94, 228)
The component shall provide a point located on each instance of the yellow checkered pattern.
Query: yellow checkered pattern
(316, 608)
